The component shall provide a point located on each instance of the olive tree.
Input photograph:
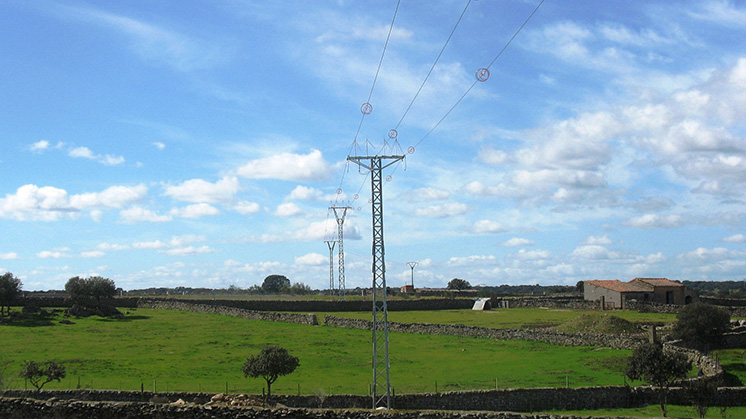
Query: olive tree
(650, 363)
(274, 284)
(89, 292)
(458, 284)
(701, 323)
(40, 374)
(10, 289)
(271, 363)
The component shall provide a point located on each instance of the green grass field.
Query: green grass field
(182, 351)
(512, 318)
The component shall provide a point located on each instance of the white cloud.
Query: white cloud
(39, 146)
(311, 259)
(159, 145)
(201, 191)
(472, 260)
(736, 238)
(157, 244)
(92, 254)
(139, 214)
(304, 193)
(288, 209)
(112, 246)
(517, 242)
(246, 207)
(598, 240)
(195, 211)
(652, 221)
(112, 197)
(54, 254)
(81, 153)
(288, 166)
(594, 252)
(487, 226)
(440, 211)
(8, 256)
(189, 250)
(86, 153)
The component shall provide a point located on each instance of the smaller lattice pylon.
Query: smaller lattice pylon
(340, 213)
(331, 244)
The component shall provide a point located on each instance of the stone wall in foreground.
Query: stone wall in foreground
(515, 400)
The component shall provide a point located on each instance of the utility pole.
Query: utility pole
(381, 379)
(411, 266)
(330, 244)
(339, 214)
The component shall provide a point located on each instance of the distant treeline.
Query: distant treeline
(506, 290)
(723, 289)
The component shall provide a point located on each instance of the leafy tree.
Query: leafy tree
(701, 394)
(275, 284)
(300, 288)
(89, 290)
(271, 363)
(10, 289)
(40, 374)
(650, 363)
(458, 284)
(702, 323)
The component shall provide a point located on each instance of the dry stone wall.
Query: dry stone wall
(116, 404)
(230, 311)
(565, 339)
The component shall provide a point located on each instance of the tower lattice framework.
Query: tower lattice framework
(381, 378)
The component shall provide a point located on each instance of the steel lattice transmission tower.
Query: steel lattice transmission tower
(339, 214)
(330, 244)
(381, 380)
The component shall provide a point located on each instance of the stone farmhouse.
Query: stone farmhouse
(613, 293)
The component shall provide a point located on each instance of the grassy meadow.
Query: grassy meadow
(184, 351)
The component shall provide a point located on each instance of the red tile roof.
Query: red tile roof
(616, 285)
(658, 282)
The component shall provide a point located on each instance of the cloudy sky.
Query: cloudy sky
(201, 143)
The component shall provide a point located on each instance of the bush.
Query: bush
(701, 323)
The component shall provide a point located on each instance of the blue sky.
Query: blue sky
(201, 143)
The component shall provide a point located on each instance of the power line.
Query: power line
(483, 73)
(366, 107)
(434, 64)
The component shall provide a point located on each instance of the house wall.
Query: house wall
(594, 293)
(659, 295)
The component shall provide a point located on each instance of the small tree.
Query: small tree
(650, 363)
(271, 363)
(40, 374)
(275, 284)
(10, 289)
(90, 291)
(701, 323)
(458, 284)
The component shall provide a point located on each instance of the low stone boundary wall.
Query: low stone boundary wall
(515, 400)
(309, 319)
(651, 307)
(576, 303)
(566, 339)
(314, 306)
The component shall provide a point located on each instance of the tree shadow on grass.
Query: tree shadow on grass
(127, 318)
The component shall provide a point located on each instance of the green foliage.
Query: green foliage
(701, 393)
(90, 291)
(10, 288)
(40, 374)
(276, 284)
(458, 284)
(271, 363)
(652, 364)
(703, 323)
